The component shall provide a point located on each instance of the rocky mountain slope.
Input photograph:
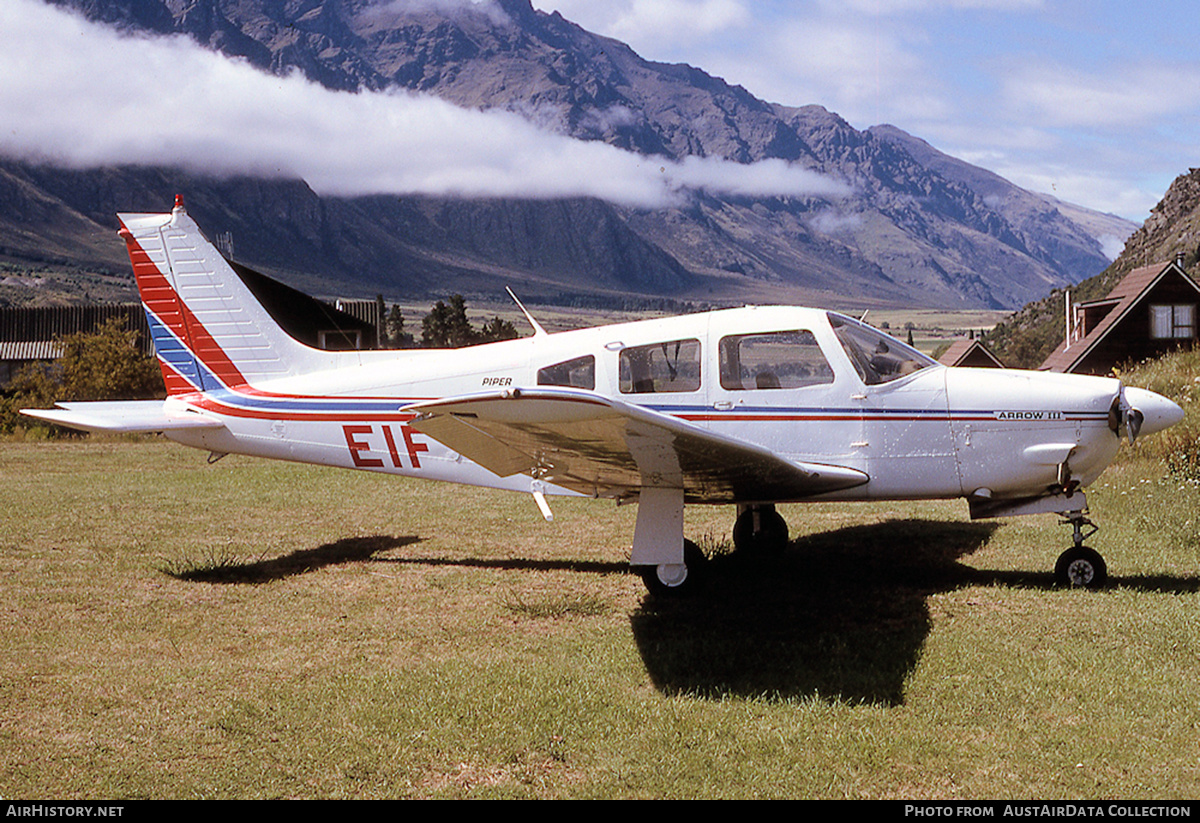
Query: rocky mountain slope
(1172, 231)
(921, 227)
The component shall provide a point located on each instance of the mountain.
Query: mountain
(1172, 231)
(331, 246)
(920, 228)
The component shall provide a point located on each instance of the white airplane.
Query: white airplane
(753, 407)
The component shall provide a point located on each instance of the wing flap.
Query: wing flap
(603, 447)
(124, 416)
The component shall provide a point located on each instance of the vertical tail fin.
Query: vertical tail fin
(209, 331)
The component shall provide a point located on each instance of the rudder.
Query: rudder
(209, 332)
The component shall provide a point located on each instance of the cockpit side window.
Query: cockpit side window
(776, 360)
(673, 366)
(876, 357)
(579, 373)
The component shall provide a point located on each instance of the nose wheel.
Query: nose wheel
(1079, 566)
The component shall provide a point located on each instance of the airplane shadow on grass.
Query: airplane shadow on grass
(358, 550)
(346, 550)
(840, 615)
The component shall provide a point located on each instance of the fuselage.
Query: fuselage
(807, 385)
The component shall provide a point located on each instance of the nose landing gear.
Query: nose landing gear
(1079, 566)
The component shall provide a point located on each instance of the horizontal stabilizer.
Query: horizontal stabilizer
(598, 446)
(125, 416)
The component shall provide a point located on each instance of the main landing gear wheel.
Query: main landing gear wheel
(1080, 567)
(760, 530)
(675, 579)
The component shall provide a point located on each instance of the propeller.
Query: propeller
(1123, 416)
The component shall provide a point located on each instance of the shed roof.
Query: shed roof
(29, 350)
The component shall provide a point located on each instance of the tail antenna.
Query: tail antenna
(537, 327)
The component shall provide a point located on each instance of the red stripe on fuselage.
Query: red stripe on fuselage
(206, 403)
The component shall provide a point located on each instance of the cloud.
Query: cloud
(663, 23)
(832, 222)
(388, 11)
(897, 7)
(854, 64)
(109, 98)
(767, 178)
(1111, 245)
(1118, 96)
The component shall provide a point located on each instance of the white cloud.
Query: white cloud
(1099, 105)
(898, 7)
(767, 178)
(651, 26)
(1119, 96)
(860, 67)
(831, 221)
(1111, 246)
(388, 10)
(1056, 176)
(106, 98)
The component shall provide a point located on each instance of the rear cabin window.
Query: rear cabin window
(579, 373)
(776, 360)
(661, 367)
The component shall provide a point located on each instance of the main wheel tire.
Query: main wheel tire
(670, 580)
(1081, 568)
(772, 534)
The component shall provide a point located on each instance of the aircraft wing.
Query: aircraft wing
(603, 447)
(124, 416)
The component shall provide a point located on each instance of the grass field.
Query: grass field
(173, 629)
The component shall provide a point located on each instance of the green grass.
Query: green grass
(174, 629)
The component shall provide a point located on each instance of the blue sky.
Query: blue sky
(1096, 102)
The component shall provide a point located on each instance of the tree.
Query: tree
(398, 338)
(497, 329)
(446, 326)
(106, 365)
(100, 365)
(381, 324)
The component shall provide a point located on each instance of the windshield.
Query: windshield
(876, 357)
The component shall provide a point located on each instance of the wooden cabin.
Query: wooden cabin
(1152, 311)
(971, 353)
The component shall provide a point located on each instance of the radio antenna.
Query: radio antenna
(537, 327)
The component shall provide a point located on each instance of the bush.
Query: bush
(100, 365)
(1174, 376)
